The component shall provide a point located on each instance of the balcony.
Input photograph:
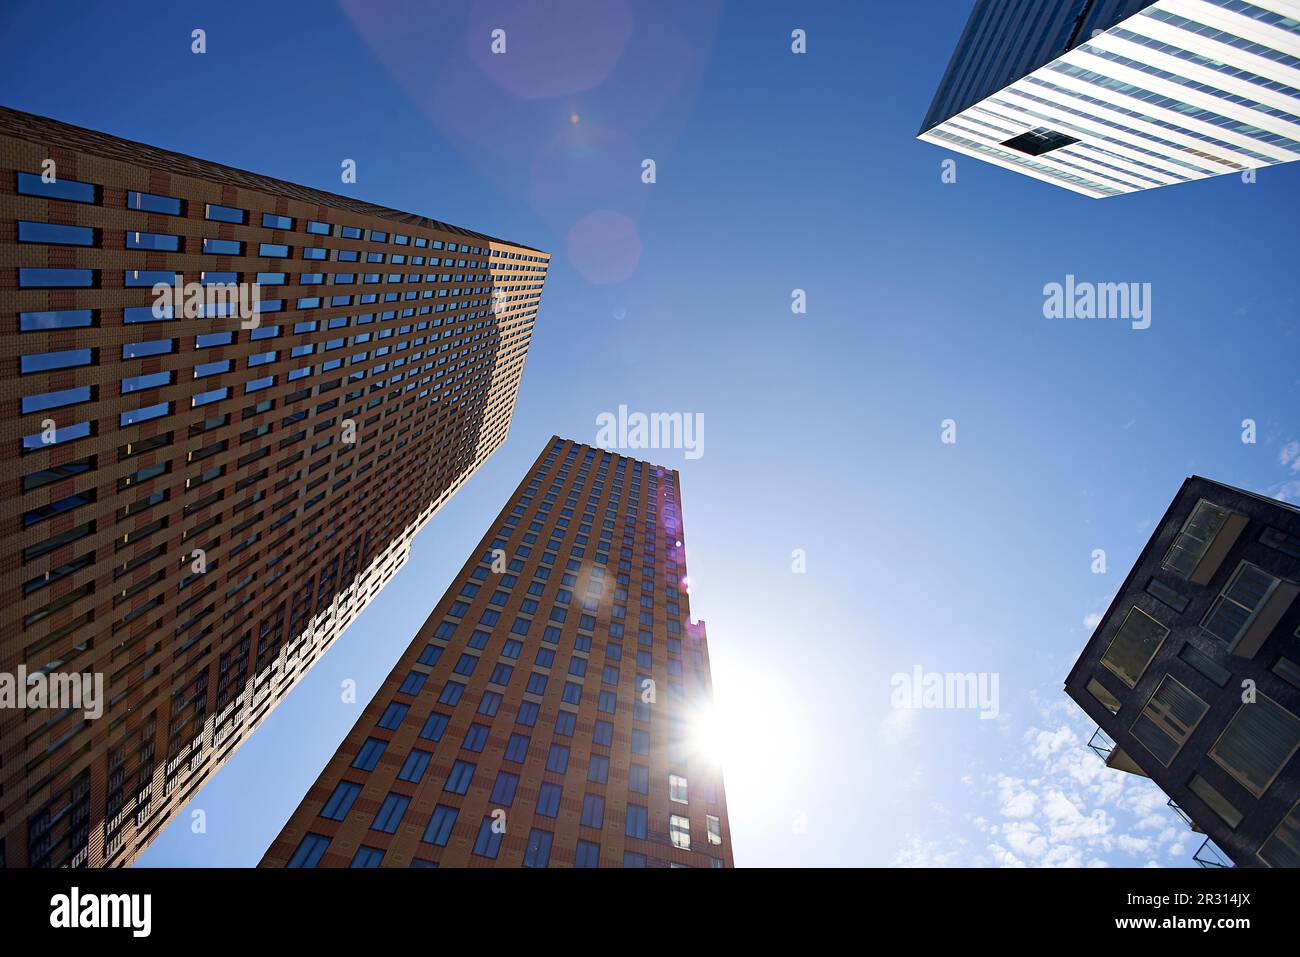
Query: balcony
(1112, 755)
(1209, 855)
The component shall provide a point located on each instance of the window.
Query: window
(440, 824)
(71, 190)
(1166, 595)
(557, 759)
(638, 779)
(56, 319)
(54, 234)
(1283, 542)
(679, 831)
(225, 214)
(1168, 719)
(1257, 743)
(1195, 537)
(517, 748)
(371, 751)
(57, 278)
(1215, 801)
(1287, 670)
(548, 799)
(636, 821)
(1134, 645)
(310, 851)
(538, 853)
(1038, 141)
(475, 737)
(367, 857)
(340, 802)
(151, 203)
(488, 842)
(415, 765)
(393, 715)
(677, 788)
(1282, 849)
(633, 859)
(459, 778)
(598, 769)
(222, 247)
(1099, 691)
(390, 813)
(593, 811)
(413, 682)
(1238, 603)
(434, 726)
(503, 791)
(714, 824)
(588, 855)
(1206, 665)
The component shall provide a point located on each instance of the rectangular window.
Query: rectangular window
(369, 755)
(538, 853)
(1215, 801)
(222, 247)
(56, 278)
(1283, 542)
(310, 851)
(54, 234)
(1195, 537)
(677, 788)
(1134, 645)
(440, 824)
(56, 319)
(224, 214)
(340, 802)
(1205, 664)
(151, 203)
(1238, 603)
(1100, 692)
(1168, 719)
(1257, 743)
(679, 831)
(162, 242)
(488, 842)
(715, 828)
(1166, 595)
(390, 813)
(1282, 849)
(548, 799)
(71, 190)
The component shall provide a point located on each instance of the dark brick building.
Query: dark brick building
(543, 716)
(199, 495)
(1194, 672)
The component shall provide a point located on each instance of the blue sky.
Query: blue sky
(775, 172)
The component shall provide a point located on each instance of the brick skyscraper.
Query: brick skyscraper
(551, 690)
(198, 500)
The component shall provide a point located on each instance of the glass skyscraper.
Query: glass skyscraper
(1106, 97)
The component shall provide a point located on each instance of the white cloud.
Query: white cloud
(1290, 456)
(1091, 620)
